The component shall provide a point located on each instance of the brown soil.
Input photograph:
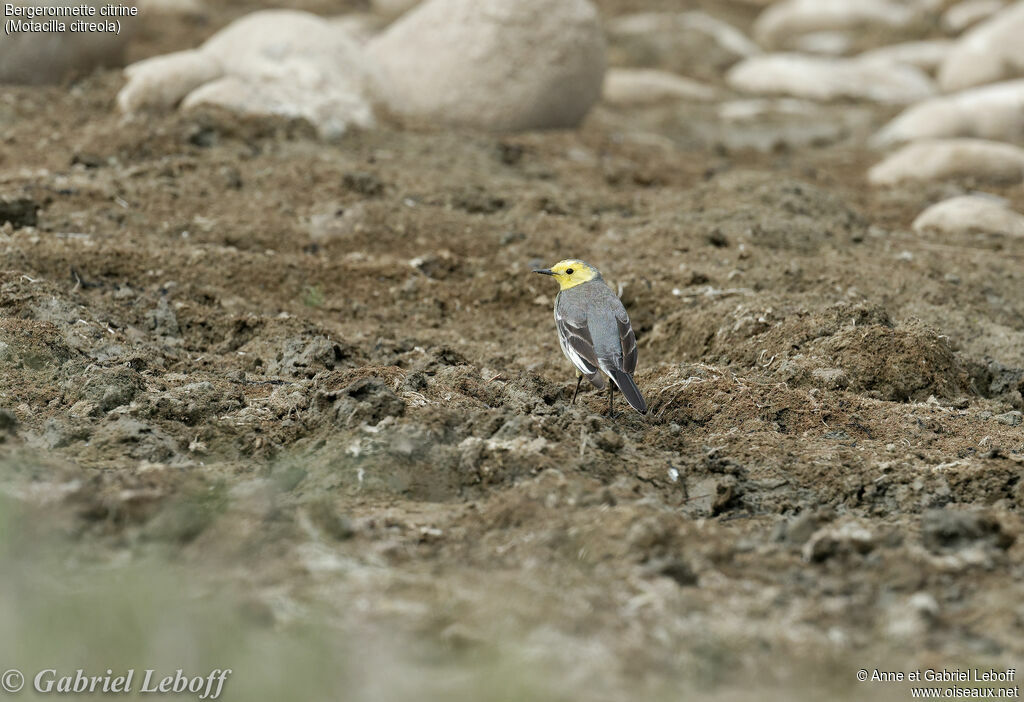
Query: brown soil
(258, 354)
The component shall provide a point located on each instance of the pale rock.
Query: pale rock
(693, 43)
(826, 78)
(162, 82)
(40, 58)
(989, 112)
(925, 55)
(278, 62)
(499, 65)
(936, 159)
(990, 51)
(968, 13)
(758, 108)
(635, 86)
(969, 214)
(824, 43)
(785, 22)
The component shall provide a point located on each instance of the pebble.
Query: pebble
(825, 78)
(989, 112)
(990, 51)
(636, 86)
(970, 214)
(783, 23)
(937, 159)
(497, 65)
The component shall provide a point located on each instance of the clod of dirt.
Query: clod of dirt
(1012, 418)
(849, 538)
(799, 530)
(186, 517)
(337, 526)
(609, 441)
(8, 424)
(363, 183)
(438, 267)
(711, 496)
(896, 364)
(19, 211)
(106, 389)
(32, 345)
(61, 433)
(830, 378)
(477, 201)
(948, 530)
(675, 568)
(654, 537)
(303, 357)
(163, 321)
(194, 402)
(366, 401)
(136, 439)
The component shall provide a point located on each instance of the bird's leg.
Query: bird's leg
(611, 400)
(579, 379)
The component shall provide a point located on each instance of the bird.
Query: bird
(594, 332)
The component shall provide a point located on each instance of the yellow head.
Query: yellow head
(570, 272)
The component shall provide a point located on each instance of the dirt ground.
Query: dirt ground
(319, 380)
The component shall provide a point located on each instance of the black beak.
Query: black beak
(544, 271)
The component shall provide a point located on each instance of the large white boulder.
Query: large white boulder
(278, 62)
(990, 112)
(636, 86)
(497, 65)
(991, 51)
(782, 24)
(827, 78)
(969, 214)
(937, 159)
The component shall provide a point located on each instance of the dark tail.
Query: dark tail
(624, 382)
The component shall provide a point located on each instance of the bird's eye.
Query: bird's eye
(568, 271)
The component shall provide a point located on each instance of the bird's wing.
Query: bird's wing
(628, 340)
(577, 345)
